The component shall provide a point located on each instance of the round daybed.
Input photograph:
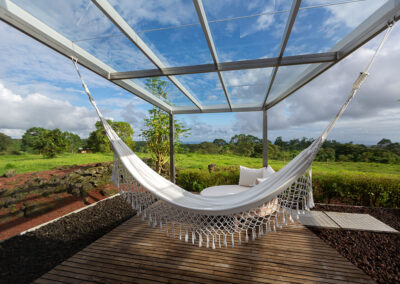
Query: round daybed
(224, 190)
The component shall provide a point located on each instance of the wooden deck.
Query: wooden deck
(137, 253)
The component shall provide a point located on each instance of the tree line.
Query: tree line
(49, 143)
(385, 151)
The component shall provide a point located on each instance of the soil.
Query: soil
(11, 182)
(24, 258)
(377, 254)
(14, 222)
(63, 204)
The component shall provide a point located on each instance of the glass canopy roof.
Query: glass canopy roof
(217, 56)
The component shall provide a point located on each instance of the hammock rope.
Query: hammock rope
(216, 221)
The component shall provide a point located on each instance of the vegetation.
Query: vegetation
(157, 131)
(384, 151)
(342, 172)
(26, 163)
(98, 141)
(51, 142)
(30, 138)
(350, 188)
(5, 142)
(26, 199)
(353, 183)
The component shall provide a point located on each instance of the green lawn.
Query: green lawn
(32, 163)
(27, 163)
(201, 161)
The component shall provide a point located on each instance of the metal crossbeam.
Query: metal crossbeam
(288, 29)
(207, 33)
(367, 30)
(25, 22)
(124, 27)
(217, 109)
(230, 66)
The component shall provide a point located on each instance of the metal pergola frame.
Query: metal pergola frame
(17, 17)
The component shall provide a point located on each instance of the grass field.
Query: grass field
(32, 163)
(27, 163)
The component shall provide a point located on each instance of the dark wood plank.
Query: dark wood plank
(136, 253)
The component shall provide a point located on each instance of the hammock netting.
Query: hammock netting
(217, 221)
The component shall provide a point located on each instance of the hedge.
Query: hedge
(351, 189)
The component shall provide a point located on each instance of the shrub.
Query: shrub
(364, 190)
(9, 166)
(196, 179)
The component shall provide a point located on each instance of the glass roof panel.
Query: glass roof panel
(247, 86)
(249, 36)
(321, 24)
(82, 22)
(119, 53)
(217, 10)
(75, 19)
(285, 77)
(175, 96)
(170, 28)
(205, 87)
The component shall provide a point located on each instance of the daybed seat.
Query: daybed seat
(248, 178)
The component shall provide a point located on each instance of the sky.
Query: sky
(39, 87)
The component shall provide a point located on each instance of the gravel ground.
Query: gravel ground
(25, 258)
(377, 254)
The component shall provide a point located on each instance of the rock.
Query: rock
(76, 192)
(10, 173)
(212, 167)
(3, 191)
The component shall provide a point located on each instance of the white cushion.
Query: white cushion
(268, 171)
(249, 176)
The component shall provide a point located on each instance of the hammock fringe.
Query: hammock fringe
(257, 222)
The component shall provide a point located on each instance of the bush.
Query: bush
(196, 180)
(363, 190)
(9, 166)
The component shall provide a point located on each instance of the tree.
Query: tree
(5, 141)
(208, 148)
(51, 142)
(220, 142)
(384, 143)
(31, 138)
(279, 142)
(156, 131)
(244, 145)
(98, 141)
(74, 142)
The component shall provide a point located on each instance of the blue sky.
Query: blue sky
(39, 87)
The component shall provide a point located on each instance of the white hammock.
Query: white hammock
(212, 220)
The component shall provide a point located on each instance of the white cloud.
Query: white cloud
(352, 14)
(18, 113)
(373, 114)
(171, 12)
